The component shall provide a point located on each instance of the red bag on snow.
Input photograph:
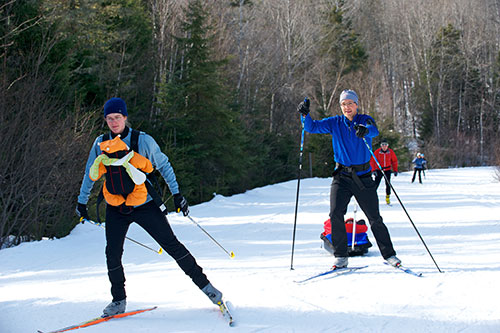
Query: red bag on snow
(361, 242)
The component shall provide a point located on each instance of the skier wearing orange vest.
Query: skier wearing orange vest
(125, 156)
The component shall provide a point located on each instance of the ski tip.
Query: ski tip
(224, 309)
(405, 269)
(417, 274)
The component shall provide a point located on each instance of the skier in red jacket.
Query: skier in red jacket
(389, 163)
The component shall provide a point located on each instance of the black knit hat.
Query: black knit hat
(115, 105)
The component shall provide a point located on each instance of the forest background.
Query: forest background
(217, 82)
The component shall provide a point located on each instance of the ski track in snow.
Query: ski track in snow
(51, 284)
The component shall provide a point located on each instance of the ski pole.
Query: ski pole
(160, 251)
(230, 254)
(401, 203)
(302, 118)
(354, 226)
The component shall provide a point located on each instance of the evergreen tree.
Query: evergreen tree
(203, 136)
(342, 49)
(447, 66)
(340, 43)
(110, 40)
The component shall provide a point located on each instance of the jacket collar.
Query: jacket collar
(123, 134)
(354, 121)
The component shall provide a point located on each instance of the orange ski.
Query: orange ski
(99, 320)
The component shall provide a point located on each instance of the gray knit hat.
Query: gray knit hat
(349, 94)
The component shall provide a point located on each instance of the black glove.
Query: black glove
(81, 211)
(304, 107)
(361, 130)
(395, 174)
(181, 204)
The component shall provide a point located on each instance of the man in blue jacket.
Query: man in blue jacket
(352, 175)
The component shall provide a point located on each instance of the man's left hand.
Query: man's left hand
(361, 130)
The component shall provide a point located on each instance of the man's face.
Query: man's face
(384, 146)
(349, 108)
(116, 122)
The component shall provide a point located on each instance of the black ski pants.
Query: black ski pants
(343, 188)
(419, 175)
(151, 219)
(379, 177)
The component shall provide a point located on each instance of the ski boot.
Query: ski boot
(212, 293)
(115, 308)
(340, 262)
(393, 261)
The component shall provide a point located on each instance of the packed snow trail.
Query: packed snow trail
(55, 283)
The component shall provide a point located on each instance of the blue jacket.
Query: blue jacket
(147, 148)
(420, 163)
(348, 149)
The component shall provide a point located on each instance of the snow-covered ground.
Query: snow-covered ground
(55, 283)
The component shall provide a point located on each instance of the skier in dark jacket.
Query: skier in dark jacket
(352, 175)
(420, 166)
(146, 213)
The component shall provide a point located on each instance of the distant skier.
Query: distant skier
(420, 166)
(389, 163)
(425, 164)
(352, 175)
(128, 201)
